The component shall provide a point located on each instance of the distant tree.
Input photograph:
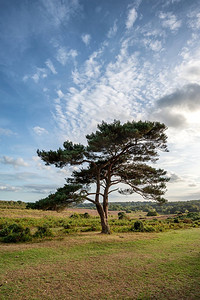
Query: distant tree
(152, 213)
(115, 153)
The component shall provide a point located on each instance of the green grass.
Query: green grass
(94, 266)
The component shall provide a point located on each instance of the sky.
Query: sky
(66, 65)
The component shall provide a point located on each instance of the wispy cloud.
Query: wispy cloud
(132, 16)
(18, 162)
(174, 177)
(59, 12)
(39, 164)
(51, 66)
(39, 130)
(86, 38)
(9, 188)
(40, 73)
(6, 131)
(170, 21)
(40, 188)
(194, 20)
(113, 30)
(154, 45)
(63, 55)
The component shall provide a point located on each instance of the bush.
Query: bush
(86, 215)
(187, 221)
(122, 215)
(176, 220)
(75, 216)
(138, 226)
(43, 231)
(149, 228)
(193, 215)
(15, 233)
(152, 213)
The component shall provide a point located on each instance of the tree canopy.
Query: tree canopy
(115, 154)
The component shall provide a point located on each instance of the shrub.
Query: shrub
(193, 215)
(86, 215)
(149, 228)
(43, 231)
(15, 233)
(152, 213)
(67, 226)
(138, 226)
(176, 220)
(188, 221)
(75, 216)
(122, 215)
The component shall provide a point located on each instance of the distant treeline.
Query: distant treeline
(12, 204)
(146, 206)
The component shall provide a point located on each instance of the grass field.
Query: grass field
(94, 266)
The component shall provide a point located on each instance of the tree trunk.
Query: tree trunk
(104, 221)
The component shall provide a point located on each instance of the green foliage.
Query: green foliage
(18, 229)
(176, 220)
(86, 215)
(193, 216)
(15, 233)
(138, 226)
(149, 228)
(152, 213)
(60, 199)
(12, 204)
(43, 231)
(115, 153)
(75, 216)
(122, 215)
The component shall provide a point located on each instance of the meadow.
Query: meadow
(161, 260)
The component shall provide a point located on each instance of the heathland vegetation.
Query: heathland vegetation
(20, 224)
(62, 255)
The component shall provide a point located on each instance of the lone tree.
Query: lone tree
(115, 154)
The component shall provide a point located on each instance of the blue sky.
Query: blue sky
(66, 65)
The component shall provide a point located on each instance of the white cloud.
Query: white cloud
(63, 55)
(18, 162)
(60, 94)
(114, 93)
(9, 188)
(174, 177)
(60, 11)
(189, 70)
(194, 20)
(39, 73)
(86, 38)
(170, 21)
(154, 45)
(36, 77)
(40, 188)
(39, 164)
(39, 130)
(51, 66)
(132, 16)
(113, 30)
(7, 132)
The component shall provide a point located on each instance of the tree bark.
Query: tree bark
(104, 221)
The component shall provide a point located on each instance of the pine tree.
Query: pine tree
(115, 153)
